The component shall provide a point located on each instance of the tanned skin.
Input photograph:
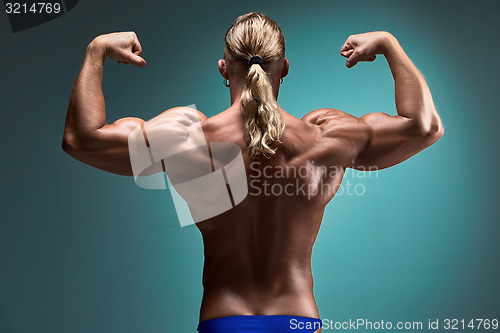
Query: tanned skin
(258, 254)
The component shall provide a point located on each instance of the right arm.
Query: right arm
(393, 139)
(87, 136)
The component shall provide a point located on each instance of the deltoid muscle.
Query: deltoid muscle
(174, 144)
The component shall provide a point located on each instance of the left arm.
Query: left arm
(393, 139)
(87, 137)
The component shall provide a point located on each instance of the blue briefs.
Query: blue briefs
(260, 324)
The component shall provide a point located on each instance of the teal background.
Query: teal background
(82, 250)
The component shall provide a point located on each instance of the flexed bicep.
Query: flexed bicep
(393, 139)
(389, 140)
(107, 148)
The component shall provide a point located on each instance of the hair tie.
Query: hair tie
(255, 60)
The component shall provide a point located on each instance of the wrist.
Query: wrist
(388, 42)
(97, 49)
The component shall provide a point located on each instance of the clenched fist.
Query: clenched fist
(123, 47)
(365, 47)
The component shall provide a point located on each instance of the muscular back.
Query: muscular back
(258, 254)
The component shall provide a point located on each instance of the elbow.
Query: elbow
(436, 130)
(440, 131)
(77, 146)
(431, 132)
(69, 143)
(68, 147)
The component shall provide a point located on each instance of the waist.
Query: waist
(226, 302)
(260, 324)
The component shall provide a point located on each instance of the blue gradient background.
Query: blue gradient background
(82, 250)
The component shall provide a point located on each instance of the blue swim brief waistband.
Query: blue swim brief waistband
(260, 324)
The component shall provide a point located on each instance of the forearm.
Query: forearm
(86, 110)
(413, 97)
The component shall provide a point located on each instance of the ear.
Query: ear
(286, 66)
(223, 68)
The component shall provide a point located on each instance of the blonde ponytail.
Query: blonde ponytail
(256, 35)
(263, 120)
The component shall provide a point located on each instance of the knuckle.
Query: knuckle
(131, 35)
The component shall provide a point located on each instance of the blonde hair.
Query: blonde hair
(255, 34)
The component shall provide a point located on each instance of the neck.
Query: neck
(236, 89)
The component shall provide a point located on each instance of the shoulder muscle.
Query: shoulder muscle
(335, 123)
